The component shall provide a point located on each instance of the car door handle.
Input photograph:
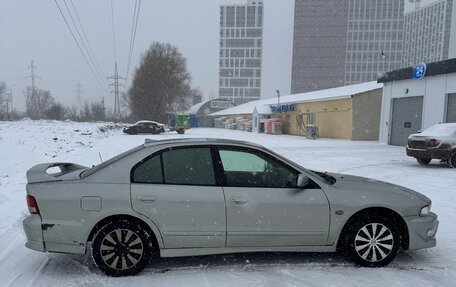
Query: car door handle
(146, 198)
(238, 200)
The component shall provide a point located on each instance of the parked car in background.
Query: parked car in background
(191, 197)
(145, 127)
(436, 142)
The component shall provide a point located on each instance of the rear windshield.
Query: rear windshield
(440, 130)
(110, 161)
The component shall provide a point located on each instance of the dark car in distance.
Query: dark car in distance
(145, 127)
(436, 142)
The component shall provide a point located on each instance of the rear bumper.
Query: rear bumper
(35, 239)
(429, 153)
(33, 232)
(422, 231)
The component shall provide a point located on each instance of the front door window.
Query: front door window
(254, 169)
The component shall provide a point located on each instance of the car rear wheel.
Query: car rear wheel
(373, 242)
(121, 248)
(452, 160)
(423, 161)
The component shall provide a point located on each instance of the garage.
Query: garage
(451, 109)
(406, 118)
(412, 101)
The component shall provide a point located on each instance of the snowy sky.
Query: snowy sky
(35, 30)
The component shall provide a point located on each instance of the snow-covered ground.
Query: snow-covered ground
(26, 143)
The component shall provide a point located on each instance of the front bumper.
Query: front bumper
(422, 231)
(33, 232)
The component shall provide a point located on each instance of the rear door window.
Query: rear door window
(184, 166)
(190, 166)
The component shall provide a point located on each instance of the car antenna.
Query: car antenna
(99, 153)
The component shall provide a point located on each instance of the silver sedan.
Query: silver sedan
(211, 196)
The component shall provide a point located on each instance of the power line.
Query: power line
(134, 27)
(86, 38)
(82, 40)
(77, 43)
(131, 37)
(113, 31)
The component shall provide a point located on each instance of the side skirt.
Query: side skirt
(181, 252)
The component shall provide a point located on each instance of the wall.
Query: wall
(334, 118)
(434, 89)
(452, 48)
(366, 115)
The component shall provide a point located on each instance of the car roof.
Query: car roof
(199, 141)
(453, 125)
(147, 122)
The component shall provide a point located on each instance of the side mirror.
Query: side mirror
(303, 180)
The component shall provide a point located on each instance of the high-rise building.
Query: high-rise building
(241, 42)
(374, 42)
(428, 34)
(319, 44)
(342, 42)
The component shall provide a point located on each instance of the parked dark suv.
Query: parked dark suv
(436, 142)
(145, 127)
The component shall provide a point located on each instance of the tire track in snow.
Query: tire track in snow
(19, 266)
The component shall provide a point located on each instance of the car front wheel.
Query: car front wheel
(373, 242)
(121, 248)
(423, 161)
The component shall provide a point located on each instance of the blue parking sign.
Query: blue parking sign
(419, 71)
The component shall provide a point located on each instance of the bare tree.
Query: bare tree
(161, 83)
(98, 111)
(37, 102)
(71, 112)
(3, 101)
(86, 115)
(55, 112)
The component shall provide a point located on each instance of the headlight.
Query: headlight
(425, 210)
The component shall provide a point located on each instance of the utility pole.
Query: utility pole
(103, 107)
(116, 85)
(32, 76)
(79, 92)
(9, 102)
(278, 100)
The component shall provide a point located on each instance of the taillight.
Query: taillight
(32, 205)
(433, 142)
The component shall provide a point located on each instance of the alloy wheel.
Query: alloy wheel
(121, 249)
(374, 242)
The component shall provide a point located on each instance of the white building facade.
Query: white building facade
(409, 105)
(241, 42)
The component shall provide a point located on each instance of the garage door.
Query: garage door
(451, 109)
(406, 119)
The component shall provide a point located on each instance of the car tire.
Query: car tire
(122, 256)
(452, 160)
(423, 161)
(373, 241)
